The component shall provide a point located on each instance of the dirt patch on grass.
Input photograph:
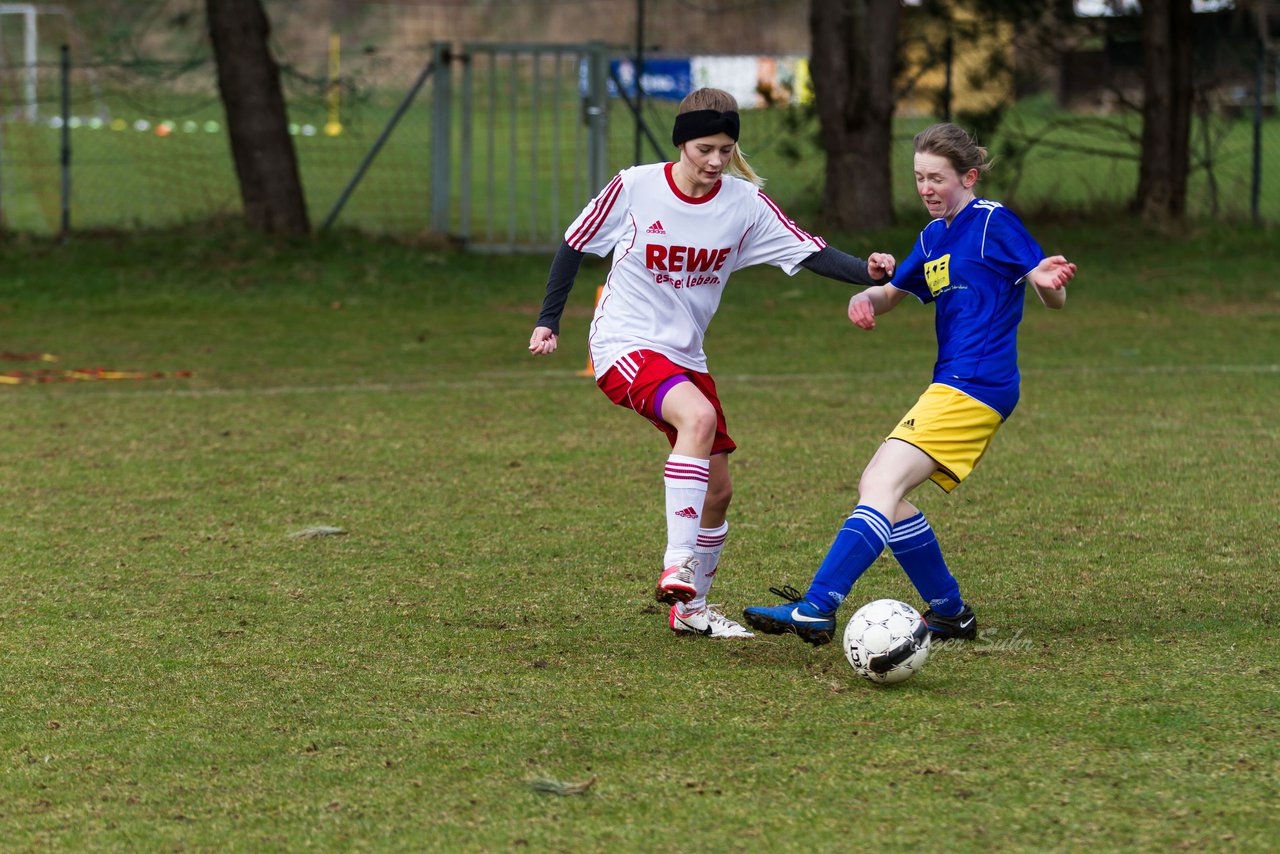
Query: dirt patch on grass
(1264, 307)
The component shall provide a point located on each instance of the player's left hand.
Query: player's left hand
(1053, 272)
(880, 266)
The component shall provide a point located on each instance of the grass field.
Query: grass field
(182, 674)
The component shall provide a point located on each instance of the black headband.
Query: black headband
(696, 124)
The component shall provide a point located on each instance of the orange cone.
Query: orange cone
(590, 369)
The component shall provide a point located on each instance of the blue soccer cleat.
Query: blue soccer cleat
(797, 615)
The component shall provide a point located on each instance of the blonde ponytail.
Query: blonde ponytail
(739, 166)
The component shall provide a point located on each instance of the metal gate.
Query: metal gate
(520, 144)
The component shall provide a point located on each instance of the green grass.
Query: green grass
(181, 674)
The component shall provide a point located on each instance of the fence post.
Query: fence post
(441, 136)
(639, 79)
(65, 67)
(3, 224)
(427, 71)
(1255, 191)
(464, 178)
(30, 50)
(597, 116)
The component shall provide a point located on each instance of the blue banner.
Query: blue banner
(669, 79)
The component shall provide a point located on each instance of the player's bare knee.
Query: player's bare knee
(719, 496)
(701, 425)
(879, 488)
(906, 510)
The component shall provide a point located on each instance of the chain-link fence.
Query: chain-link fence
(147, 146)
(120, 146)
(141, 142)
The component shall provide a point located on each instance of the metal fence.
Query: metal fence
(147, 147)
(533, 142)
(385, 146)
(501, 147)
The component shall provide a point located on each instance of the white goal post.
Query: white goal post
(28, 11)
(30, 14)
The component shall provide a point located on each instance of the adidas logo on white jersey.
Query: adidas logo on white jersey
(656, 228)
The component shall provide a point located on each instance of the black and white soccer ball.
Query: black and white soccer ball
(886, 641)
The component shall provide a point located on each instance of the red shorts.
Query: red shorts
(641, 379)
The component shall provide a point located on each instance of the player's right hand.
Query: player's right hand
(543, 341)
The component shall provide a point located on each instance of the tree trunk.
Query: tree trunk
(1167, 33)
(854, 47)
(249, 81)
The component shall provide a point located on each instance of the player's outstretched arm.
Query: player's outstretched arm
(843, 267)
(1050, 279)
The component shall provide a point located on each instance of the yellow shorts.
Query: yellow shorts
(952, 428)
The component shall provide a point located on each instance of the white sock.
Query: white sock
(710, 545)
(686, 487)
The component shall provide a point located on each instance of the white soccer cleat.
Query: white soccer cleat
(709, 622)
(676, 582)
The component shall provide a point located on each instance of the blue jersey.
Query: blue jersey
(975, 271)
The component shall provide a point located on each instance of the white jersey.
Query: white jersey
(672, 256)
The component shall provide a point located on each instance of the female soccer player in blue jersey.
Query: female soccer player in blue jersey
(973, 261)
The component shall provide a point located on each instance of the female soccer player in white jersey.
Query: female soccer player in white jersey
(677, 231)
(973, 261)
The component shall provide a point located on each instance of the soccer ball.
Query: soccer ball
(886, 641)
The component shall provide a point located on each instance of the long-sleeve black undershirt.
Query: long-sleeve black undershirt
(564, 269)
(841, 266)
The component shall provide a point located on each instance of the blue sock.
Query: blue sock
(856, 547)
(914, 545)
